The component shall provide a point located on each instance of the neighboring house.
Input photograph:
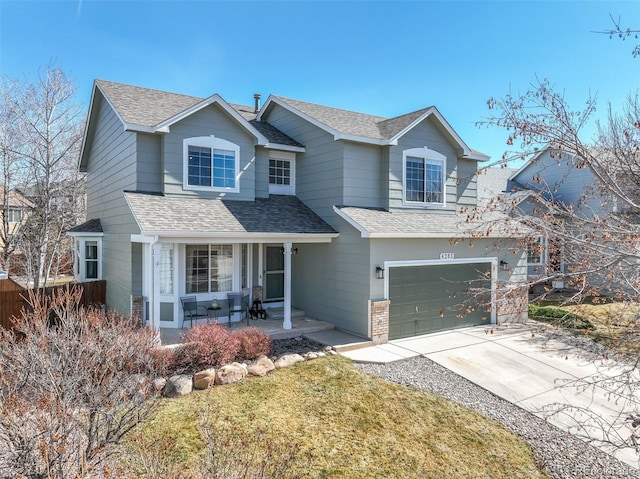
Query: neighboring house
(14, 209)
(353, 218)
(558, 183)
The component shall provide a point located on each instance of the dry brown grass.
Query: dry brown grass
(344, 424)
(615, 325)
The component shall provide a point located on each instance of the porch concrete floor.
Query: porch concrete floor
(301, 326)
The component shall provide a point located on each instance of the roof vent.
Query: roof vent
(256, 105)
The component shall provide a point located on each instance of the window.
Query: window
(424, 173)
(166, 269)
(282, 173)
(537, 251)
(209, 268)
(15, 215)
(211, 163)
(279, 172)
(91, 259)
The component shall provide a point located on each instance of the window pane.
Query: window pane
(166, 269)
(415, 179)
(197, 269)
(221, 268)
(91, 259)
(433, 182)
(92, 270)
(199, 166)
(224, 168)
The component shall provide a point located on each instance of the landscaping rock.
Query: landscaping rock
(159, 384)
(288, 360)
(262, 367)
(231, 373)
(178, 385)
(311, 355)
(204, 379)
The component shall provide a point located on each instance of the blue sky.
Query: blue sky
(383, 58)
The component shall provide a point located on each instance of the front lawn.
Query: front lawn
(325, 419)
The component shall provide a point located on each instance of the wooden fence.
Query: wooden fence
(13, 301)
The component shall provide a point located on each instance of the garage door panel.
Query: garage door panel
(440, 294)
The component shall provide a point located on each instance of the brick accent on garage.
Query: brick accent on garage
(380, 321)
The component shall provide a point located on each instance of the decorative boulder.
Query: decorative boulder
(261, 367)
(159, 384)
(311, 355)
(204, 379)
(231, 373)
(288, 360)
(178, 385)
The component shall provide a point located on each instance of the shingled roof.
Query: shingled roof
(181, 215)
(148, 108)
(351, 125)
(380, 223)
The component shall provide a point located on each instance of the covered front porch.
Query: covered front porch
(212, 248)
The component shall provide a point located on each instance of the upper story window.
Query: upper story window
(211, 163)
(15, 215)
(282, 173)
(537, 251)
(424, 177)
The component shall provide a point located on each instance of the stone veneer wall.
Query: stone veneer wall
(137, 308)
(380, 321)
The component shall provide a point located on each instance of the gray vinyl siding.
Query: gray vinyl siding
(467, 176)
(111, 169)
(362, 175)
(332, 281)
(149, 164)
(320, 169)
(425, 134)
(262, 173)
(212, 120)
(562, 181)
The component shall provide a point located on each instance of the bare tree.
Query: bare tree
(598, 235)
(618, 31)
(46, 134)
(73, 382)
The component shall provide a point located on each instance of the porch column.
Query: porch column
(287, 286)
(154, 301)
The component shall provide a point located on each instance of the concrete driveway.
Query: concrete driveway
(530, 370)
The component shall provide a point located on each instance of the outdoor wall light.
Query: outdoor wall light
(379, 272)
(504, 266)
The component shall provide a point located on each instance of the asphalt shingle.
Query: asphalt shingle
(179, 214)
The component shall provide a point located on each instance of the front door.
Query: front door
(274, 273)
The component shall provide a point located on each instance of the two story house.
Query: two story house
(356, 219)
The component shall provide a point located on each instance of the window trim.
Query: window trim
(80, 265)
(213, 143)
(209, 268)
(425, 154)
(289, 189)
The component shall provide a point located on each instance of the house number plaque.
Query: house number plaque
(446, 256)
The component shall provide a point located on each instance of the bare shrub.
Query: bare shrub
(252, 343)
(207, 345)
(73, 385)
